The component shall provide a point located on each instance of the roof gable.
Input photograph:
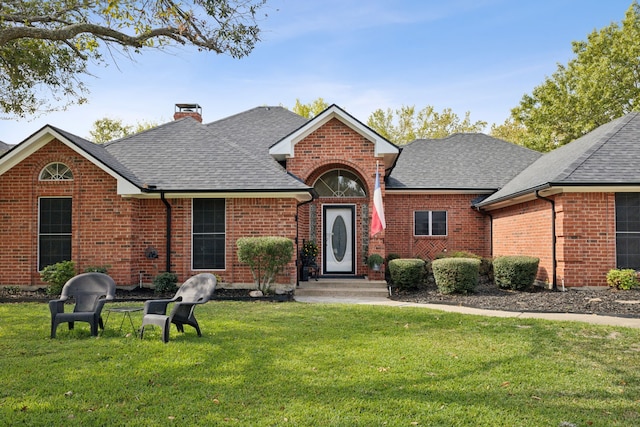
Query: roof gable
(284, 148)
(94, 153)
(460, 162)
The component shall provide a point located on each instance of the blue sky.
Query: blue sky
(479, 56)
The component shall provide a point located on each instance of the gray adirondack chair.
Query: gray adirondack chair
(196, 290)
(90, 291)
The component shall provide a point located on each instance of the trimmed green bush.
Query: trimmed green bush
(407, 273)
(456, 275)
(56, 275)
(515, 272)
(97, 269)
(624, 279)
(165, 283)
(486, 264)
(266, 256)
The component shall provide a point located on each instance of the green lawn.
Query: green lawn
(293, 364)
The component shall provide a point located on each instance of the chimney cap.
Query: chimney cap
(188, 108)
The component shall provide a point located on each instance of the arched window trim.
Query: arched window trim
(340, 192)
(56, 171)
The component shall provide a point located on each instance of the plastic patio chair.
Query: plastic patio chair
(196, 290)
(90, 291)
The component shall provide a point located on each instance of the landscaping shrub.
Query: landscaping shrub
(406, 273)
(515, 272)
(56, 275)
(97, 269)
(456, 275)
(266, 256)
(165, 283)
(624, 279)
(486, 264)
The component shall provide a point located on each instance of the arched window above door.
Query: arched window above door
(56, 172)
(340, 183)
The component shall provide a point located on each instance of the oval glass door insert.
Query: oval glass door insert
(339, 238)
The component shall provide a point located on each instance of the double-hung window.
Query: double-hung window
(430, 223)
(54, 231)
(208, 234)
(628, 230)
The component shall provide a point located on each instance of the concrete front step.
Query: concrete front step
(340, 288)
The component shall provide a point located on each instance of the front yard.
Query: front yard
(266, 364)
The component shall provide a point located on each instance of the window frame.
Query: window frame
(41, 265)
(430, 223)
(340, 173)
(216, 233)
(620, 234)
(66, 176)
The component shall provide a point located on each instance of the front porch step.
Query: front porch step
(343, 288)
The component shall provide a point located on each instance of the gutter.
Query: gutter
(168, 248)
(554, 239)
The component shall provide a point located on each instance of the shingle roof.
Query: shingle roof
(99, 152)
(470, 161)
(4, 147)
(608, 155)
(228, 155)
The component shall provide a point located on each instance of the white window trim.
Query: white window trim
(57, 176)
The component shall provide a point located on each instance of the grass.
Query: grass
(292, 364)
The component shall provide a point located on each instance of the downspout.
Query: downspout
(486, 213)
(553, 240)
(168, 249)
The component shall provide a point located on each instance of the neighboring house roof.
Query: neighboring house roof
(461, 162)
(284, 148)
(225, 156)
(4, 147)
(607, 156)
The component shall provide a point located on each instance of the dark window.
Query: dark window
(208, 234)
(430, 223)
(628, 230)
(54, 236)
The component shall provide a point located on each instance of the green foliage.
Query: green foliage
(97, 269)
(106, 129)
(515, 272)
(311, 109)
(624, 279)
(56, 275)
(407, 273)
(598, 85)
(486, 264)
(165, 283)
(46, 46)
(456, 275)
(266, 256)
(375, 260)
(404, 124)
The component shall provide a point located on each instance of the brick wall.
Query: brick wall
(336, 146)
(585, 233)
(102, 222)
(467, 229)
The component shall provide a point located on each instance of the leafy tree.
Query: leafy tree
(106, 129)
(47, 45)
(511, 131)
(311, 109)
(601, 83)
(404, 124)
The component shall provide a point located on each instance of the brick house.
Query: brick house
(177, 197)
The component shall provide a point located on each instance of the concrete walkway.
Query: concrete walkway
(588, 318)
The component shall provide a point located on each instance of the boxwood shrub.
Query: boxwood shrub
(456, 275)
(515, 272)
(407, 273)
(623, 279)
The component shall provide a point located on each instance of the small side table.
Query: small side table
(126, 312)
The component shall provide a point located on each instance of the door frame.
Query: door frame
(330, 206)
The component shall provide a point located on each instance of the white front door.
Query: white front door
(339, 239)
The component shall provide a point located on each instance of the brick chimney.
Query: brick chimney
(188, 110)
